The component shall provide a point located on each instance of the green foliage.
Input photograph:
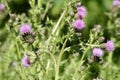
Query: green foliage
(58, 52)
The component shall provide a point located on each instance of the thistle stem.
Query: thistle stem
(59, 59)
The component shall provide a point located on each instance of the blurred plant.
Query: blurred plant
(65, 48)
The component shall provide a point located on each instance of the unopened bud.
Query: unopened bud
(30, 40)
(13, 16)
(71, 13)
(101, 39)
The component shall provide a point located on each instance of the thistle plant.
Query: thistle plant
(42, 42)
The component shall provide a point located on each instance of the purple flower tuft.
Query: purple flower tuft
(26, 61)
(109, 46)
(97, 52)
(82, 12)
(116, 3)
(79, 24)
(25, 28)
(2, 7)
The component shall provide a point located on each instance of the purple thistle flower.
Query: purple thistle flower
(2, 7)
(26, 61)
(25, 28)
(116, 3)
(109, 46)
(79, 24)
(97, 52)
(82, 12)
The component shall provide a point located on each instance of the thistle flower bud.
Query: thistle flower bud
(97, 28)
(79, 25)
(101, 39)
(109, 46)
(71, 13)
(13, 16)
(33, 34)
(26, 61)
(30, 40)
(97, 52)
(82, 12)
(116, 3)
(25, 28)
(2, 7)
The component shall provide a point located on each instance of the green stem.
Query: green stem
(19, 57)
(55, 28)
(81, 61)
(32, 4)
(110, 57)
(93, 45)
(46, 10)
(59, 59)
(84, 53)
(37, 56)
(6, 4)
(39, 3)
(16, 44)
(23, 73)
(84, 74)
